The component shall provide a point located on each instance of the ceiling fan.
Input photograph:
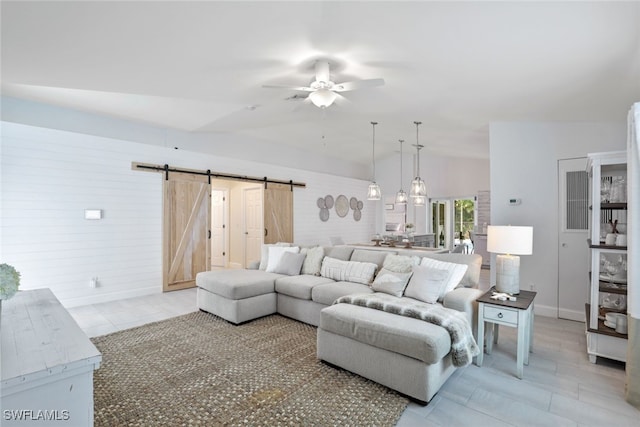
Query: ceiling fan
(323, 92)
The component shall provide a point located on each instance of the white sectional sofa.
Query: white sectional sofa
(406, 354)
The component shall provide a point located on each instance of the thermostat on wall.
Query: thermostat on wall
(93, 214)
(514, 201)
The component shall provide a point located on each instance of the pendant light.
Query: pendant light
(418, 187)
(401, 196)
(374, 192)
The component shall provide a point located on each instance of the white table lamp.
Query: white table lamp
(509, 241)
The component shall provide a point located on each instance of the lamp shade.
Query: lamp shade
(512, 240)
(322, 98)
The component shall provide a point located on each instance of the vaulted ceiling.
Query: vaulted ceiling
(201, 66)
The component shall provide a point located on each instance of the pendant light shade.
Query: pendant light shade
(374, 193)
(419, 201)
(418, 187)
(401, 196)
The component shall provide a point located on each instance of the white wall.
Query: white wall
(524, 160)
(221, 144)
(49, 177)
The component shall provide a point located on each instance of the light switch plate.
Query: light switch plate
(92, 214)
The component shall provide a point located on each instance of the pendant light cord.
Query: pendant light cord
(418, 145)
(401, 141)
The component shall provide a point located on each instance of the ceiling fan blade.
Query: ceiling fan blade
(322, 71)
(300, 88)
(357, 84)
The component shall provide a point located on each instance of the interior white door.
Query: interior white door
(253, 224)
(573, 251)
(219, 230)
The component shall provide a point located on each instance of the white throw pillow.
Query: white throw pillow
(313, 262)
(275, 253)
(348, 271)
(290, 264)
(426, 284)
(456, 272)
(264, 253)
(391, 282)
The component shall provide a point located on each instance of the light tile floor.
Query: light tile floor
(560, 386)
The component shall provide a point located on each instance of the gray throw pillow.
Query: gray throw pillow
(391, 282)
(313, 262)
(400, 263)
(290, 264)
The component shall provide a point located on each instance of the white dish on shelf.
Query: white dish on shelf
(610, 325)
(620, 279)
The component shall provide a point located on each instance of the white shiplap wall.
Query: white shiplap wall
(49, 177)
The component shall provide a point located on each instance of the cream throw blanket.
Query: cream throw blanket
(463, 346)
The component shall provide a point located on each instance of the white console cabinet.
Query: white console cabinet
(47, 363)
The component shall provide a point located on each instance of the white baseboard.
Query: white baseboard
(111, 296)
(578, 316)
(545, 311)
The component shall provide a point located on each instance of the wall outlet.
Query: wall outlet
(93, 283)
(532, 287)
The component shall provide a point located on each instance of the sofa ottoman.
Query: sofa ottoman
(404, 354)
(237, 295)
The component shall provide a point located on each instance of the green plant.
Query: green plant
(9, 281)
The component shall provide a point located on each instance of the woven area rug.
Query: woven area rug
(197, 369)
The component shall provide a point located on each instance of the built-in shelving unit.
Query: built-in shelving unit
(608, 252)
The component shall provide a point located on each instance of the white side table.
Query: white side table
(516, 314)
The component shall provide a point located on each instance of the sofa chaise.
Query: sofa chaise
(344, 290)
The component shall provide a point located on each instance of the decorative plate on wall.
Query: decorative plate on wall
(357, 214)
(342, 206)
(324, 214)
(321, 203)
(328, 201)
(353, 203)
(360, 205)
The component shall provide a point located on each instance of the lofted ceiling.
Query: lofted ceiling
(456, 66)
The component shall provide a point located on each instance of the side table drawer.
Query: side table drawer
(501, 314)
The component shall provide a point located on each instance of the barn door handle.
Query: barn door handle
(265, 232)
(209, 234)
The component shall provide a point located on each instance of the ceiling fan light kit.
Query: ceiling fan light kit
(322, 98)
(323, 91)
